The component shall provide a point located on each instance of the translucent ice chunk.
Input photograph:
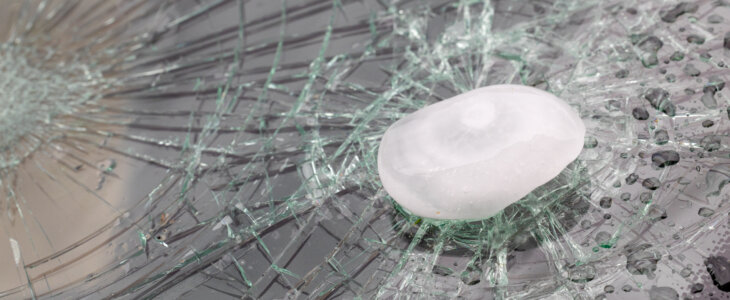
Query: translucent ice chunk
(472, 155)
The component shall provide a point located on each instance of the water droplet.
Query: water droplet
(582, 273)
(585, 224)
(442, 271)
(652, 183)
(640, 113)
(707, 123)
(641, 260)
(649, 45)
(471, 276)
(645, 197)
(656, 213)
(708, 100)
(625, 196)
(659, 99)
(603, 239)
(691, 70)
(631, 179)
(645, 42)
(613, 105)
(695, 39)
(590, 142)
(649, 60)
(626, 288)
(661, 137)
(715, 84)
(609, 289)
(696, 288)
(671, 15)
(677, 56)
(685, 272)
(711, 143)
(717, 177)
(714, 19)
(665, 158)
(663, 293)
(705, 212)
(605, 202)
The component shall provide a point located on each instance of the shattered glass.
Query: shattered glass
(225, 149)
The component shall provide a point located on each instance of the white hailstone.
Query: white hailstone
(472, 155)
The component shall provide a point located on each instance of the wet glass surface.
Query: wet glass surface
(227, 149)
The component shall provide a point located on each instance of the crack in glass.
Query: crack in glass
(184, 149)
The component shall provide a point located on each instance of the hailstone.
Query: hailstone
(472, 155)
